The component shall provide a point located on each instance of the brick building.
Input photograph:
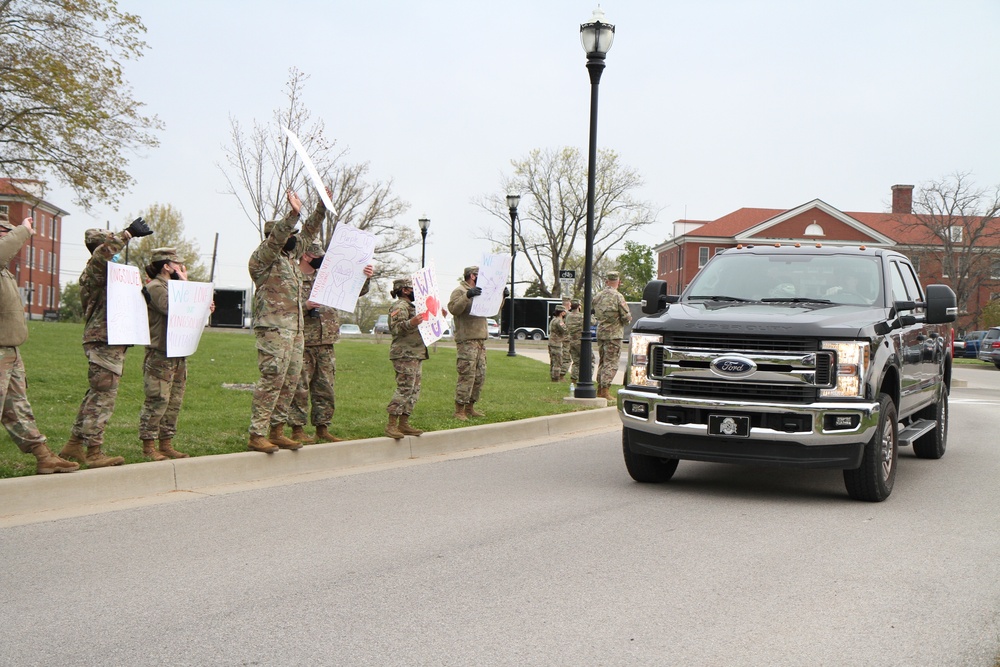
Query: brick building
(36, 266)
(695, 241)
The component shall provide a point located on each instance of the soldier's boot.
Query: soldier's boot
(405, 428)
(471, 411)
(323, 434)
(392, 429)
(278, 438)
(602, 392)
(460, 412)
(299, 435)
(49, 463)
(149, 451)
(167, 449)
(97, 459)
(74, 451)
(259, 443)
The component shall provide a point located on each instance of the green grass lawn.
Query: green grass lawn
(214, 420)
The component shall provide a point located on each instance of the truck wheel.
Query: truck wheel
(537, 335)
(997, 364)
(520, 335)
(648, 469)
(932, 445)
(873, 481)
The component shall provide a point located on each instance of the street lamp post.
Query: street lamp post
(512, 202)
(596, 38)
(425, 224)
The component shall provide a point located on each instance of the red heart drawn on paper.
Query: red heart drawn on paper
(433, 305)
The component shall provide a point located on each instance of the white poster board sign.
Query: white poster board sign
(342, 275)
(128, 323)
(493, 273)
(427, 298)
(310, 168)
(188, 309)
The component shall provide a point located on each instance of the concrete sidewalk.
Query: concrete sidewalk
(48, 497)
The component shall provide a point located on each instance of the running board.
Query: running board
(915, 430)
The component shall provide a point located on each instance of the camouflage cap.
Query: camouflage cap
(5, 221)
(469, 270)
(612, 275)
(574, 303)
(560, 309)
(269, 225)
(95, 237)
(400, 283)
(165, 254)
(316, 250)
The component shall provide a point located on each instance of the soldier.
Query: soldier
(277, 323)
(17, 417)
(470, 345)
(574, 334)
(319, 363)
(612, 314)
(105, 362)
(567, 358)
(164, 378)
(407, 353)
(557, 341)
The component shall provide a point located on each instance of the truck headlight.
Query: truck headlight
(638, 359)
(853, 358)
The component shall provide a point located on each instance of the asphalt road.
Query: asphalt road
(548, 555)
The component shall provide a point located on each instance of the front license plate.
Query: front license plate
(736, 427)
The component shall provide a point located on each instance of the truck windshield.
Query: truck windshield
(834, 279)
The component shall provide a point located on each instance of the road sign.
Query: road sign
(567, 274)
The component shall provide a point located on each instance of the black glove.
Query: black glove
(506, 292)
(139, 228)
(474, 291)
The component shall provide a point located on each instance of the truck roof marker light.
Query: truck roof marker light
(819, 245)
(862, 247)
(739, 246)
(777, 245)
(798, 245)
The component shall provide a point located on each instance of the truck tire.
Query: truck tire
(997, 364)
(646, 469)
(932, 445)
(537, 335)
(873, 480)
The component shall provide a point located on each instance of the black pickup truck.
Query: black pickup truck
(791, 355)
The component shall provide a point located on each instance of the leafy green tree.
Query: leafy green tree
(991, 314)
(65, 106)
(70, 305)
(636, 268)
(167, 224)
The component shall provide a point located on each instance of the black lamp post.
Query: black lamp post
(512, 202)
(596, 38)
(425, 224)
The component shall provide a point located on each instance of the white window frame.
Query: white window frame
(955, 233)
(703, 255)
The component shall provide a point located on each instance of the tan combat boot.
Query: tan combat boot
(323, 434)
(471, 411)
(149, 451)
(405, 428)
(259, 443)
(97, 459)
(277, 437)
(460, 412)
(299, 435)
(73, 451)
(392, 430)
(49, 463)
(167, 449)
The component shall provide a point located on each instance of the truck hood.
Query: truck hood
(781, 319)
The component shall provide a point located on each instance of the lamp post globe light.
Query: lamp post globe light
(512, 202)
(425, 224)
(596, 38)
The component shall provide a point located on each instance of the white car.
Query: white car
(350, 330)
(492, 328)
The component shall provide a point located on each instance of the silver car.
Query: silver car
(989, 347)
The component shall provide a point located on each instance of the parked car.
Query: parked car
(989, 348)
(492, 327)
(972, 340)
(381, 325)
(350, 330)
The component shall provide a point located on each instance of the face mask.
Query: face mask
(174, 276)
(289, 244)
(316, 262)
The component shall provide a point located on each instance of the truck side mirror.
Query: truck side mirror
(942, 306)
(654, 297)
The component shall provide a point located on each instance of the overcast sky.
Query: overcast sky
(719, 104)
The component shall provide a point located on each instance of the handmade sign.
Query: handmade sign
(341, 276)
(427, 299)
(493, 273)
(128, 323)
(188, 309)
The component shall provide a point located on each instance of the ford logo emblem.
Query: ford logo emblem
(733, 367)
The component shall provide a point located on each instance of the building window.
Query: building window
(702, 256)
(4, 209)
(995, 269)
(955, 233)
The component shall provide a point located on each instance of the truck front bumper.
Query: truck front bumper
(817, 435)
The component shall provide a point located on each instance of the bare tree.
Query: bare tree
(550, 233)
(167, 224)
(962, 222)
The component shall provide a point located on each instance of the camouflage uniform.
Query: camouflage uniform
(567, 358)
(407, 352)
(319, 362)
(574, 334)
(277, 318)
(164, 378)
(612, 315)
(470, 346)
(105, 362)
(557, 342)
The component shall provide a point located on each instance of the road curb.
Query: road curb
(40, 493)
